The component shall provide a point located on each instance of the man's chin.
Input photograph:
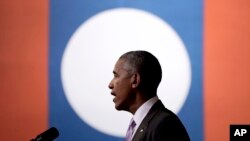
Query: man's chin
(120, 108)
(117, 107)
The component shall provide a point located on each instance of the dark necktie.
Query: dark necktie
(130, 131)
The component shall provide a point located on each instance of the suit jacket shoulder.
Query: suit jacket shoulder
(161, 124)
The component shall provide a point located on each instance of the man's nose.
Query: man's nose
(111, 86)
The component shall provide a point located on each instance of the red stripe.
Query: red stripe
(23, 68)
(227, 66)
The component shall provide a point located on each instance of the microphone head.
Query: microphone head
(48, 135)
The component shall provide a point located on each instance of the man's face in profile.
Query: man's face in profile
(121, 86)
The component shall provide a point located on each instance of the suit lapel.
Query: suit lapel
(140, 132)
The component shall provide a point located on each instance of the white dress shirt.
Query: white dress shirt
(143, 111)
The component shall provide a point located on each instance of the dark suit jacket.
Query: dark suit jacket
(160, 124)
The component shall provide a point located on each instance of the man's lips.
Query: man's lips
(112, 93)
(114, 99)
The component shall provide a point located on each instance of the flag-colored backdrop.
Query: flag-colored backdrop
(24, 45)
(23, 68)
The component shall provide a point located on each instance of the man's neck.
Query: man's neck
(140, 99)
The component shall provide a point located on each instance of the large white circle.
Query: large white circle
(93, 50)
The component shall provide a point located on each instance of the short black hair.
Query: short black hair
(147, 65)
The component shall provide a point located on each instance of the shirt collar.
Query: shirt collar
(143, 110)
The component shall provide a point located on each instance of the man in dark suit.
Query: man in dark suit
(137, 75)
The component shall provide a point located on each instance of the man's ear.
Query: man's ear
(136, 79)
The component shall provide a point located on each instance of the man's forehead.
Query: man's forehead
(120, 65)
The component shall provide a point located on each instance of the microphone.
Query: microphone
(48, 135)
